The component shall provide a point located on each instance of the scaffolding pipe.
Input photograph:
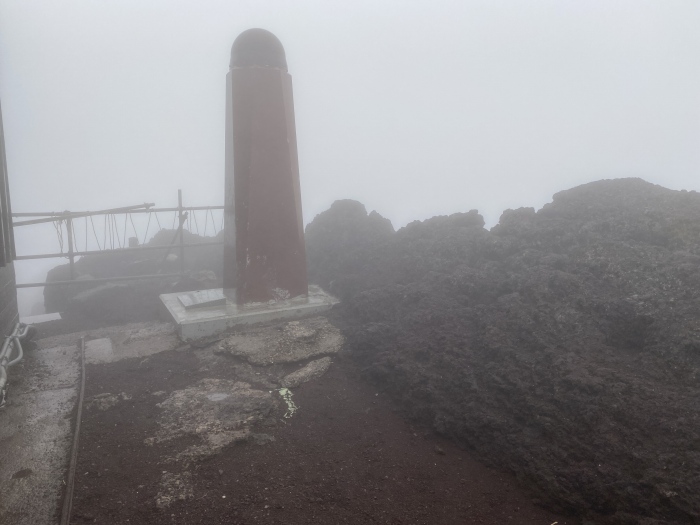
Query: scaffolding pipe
(87, 282)
(50, 217)
(116, 251)
(74, 215)
(117, 211)
(12, 342)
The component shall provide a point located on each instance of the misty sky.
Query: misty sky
(415, 108)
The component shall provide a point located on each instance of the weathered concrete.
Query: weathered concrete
(35, 434)
(40, 318)
(298, 341)
(35, 427)
(131, 341)
(173, 488)
(196, 323)
(217, 410)
(221, 412)
(106, 400)
(311, 371)
(121, 336)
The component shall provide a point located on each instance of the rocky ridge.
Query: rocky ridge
(562, 345)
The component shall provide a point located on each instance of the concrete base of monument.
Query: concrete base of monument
(204, 313)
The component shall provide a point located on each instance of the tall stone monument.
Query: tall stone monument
(262, 194)
(264, 253)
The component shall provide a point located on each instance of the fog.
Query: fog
(413, 108)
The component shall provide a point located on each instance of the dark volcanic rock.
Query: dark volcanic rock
(564, 345)
(345, 247)
(349, 250)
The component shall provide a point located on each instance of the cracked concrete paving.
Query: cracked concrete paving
(289, 342)
(35, 434)
(35, 426)
(221, 412)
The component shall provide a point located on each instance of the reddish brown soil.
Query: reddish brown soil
(344, 457)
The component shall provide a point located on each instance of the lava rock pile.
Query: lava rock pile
(562, 345)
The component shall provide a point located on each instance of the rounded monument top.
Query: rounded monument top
(258, 48)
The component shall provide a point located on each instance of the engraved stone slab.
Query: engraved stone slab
(202, 298)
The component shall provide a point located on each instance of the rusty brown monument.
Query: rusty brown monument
(264, 253)
(266, 259)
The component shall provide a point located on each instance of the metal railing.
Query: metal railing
(67, 218)
(12, 343)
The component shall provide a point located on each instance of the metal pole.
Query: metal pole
(182, 236)
(116, 250)
(72, 464)
(71, 257)
(51, 217)
(66, 214)
(89, 282)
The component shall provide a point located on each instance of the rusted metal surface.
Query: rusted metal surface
(270, 257)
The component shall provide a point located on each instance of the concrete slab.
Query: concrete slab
(99, 351)
(305, 374)
(41, 318)
(35, 425)
(218, 411)
(35, 434)
(206, 321)
(292, 342)
(132, 334)
(128, 343)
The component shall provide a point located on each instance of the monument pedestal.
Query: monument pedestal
(204, 313)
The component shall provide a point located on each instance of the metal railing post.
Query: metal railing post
(71, 257)
(12, 344)
(182, 235)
